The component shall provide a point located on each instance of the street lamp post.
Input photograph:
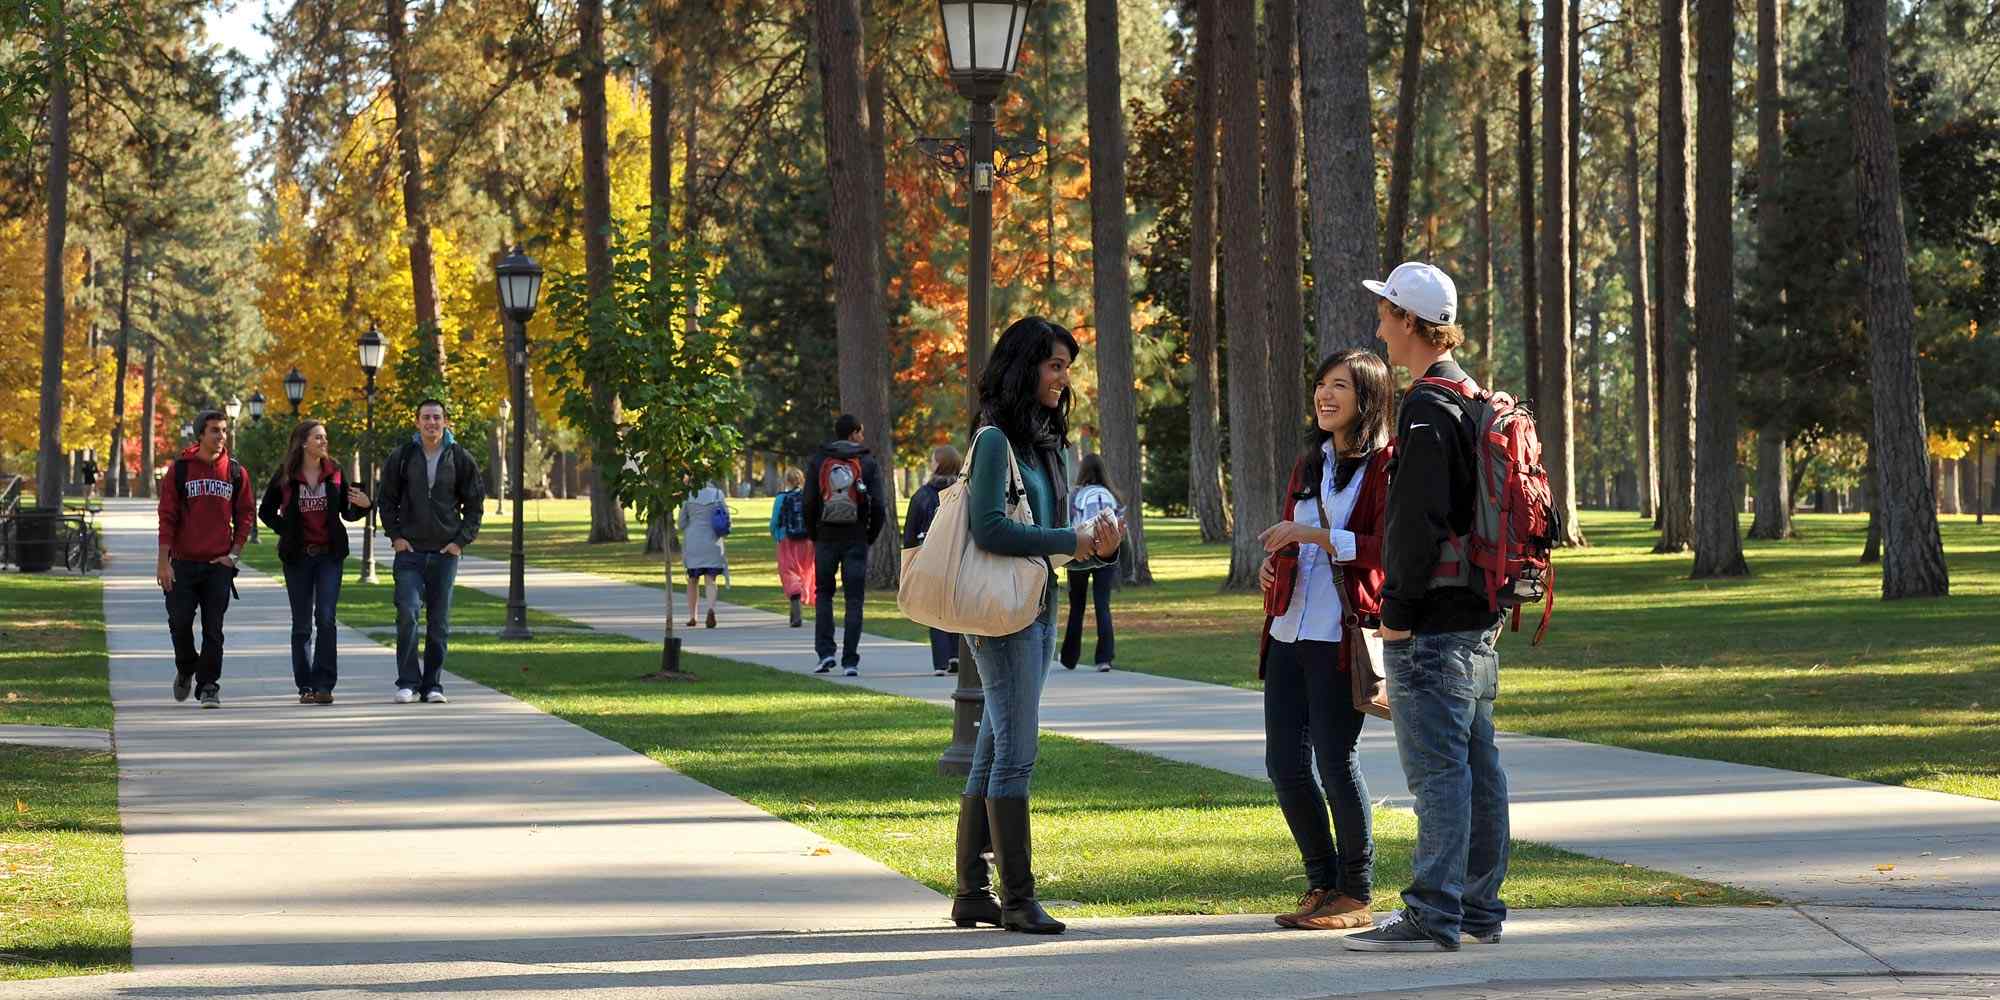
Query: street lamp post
(371, 347)
(982, 40)
(520, 283)
(295, 390)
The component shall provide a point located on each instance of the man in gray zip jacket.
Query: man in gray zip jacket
(431, 499)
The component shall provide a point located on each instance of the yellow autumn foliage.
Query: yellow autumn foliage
(87, 374)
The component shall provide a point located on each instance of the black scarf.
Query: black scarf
(1048, 447)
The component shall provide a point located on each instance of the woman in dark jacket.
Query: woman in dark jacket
(1329, 540)
(945, 463)
(304, 505)
(1024, 400)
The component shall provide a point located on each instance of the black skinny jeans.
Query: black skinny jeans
(850, 561)
(199, 588)
(1096, 583)
(1309, 715)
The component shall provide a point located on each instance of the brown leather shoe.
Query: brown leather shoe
(1309, 904)
(1338, 913)
(323, 697)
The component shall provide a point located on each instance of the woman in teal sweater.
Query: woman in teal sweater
(1024, 402)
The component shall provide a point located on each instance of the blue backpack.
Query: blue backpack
(792, 514)
(718, 519)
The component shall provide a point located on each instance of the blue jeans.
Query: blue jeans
(313, 585)
(1309, 717)
(1441, 691)
(944, 648)
(1011, 671)
(423, 579)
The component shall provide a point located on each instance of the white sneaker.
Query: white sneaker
(404, 696)
(437, 698)
(1104, 668)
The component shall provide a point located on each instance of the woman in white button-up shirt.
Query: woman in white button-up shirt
(1324, 576)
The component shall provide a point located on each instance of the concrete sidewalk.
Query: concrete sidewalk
(274, 833)
(1800, 837)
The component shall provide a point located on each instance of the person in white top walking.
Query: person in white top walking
(704, 521)
(1092, 577)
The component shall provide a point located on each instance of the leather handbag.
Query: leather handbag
(950, 583)
(1364, 670)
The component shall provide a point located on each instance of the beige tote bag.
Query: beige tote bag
(950, 583)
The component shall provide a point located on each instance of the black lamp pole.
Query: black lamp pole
(980, 79)
(519, 280)
(371, 347)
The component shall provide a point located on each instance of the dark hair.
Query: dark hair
(434, 401)
(1374, 395)
(207, 417)
(1007, 397)
(1090, 472)
(295, 450)
(845, 427)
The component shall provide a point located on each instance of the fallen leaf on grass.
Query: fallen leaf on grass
(20, 806)
(16, 696)
(1885, 868)
(820, 852)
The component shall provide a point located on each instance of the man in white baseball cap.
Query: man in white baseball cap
(1420, 289)
(1435, 626)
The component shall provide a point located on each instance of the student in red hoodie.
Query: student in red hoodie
(205, 517)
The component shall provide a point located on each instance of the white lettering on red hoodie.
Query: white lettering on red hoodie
(202, 517)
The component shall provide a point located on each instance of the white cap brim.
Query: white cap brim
(1374, 286)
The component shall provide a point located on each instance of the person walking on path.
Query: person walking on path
(1328, 542)
(1092, 577)
(795, 546)
(844, 514)
(303, 505)
(945, 463)
(205, 517)
(86, 470)
(432, 500)
(1024, 400)
(1438, 640)
(704, 520)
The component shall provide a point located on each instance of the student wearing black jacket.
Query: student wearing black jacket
(432, 500)
(1442, 669)
(945, 463)
(304, 505)
(844, 514)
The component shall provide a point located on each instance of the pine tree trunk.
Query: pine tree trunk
(1645, 425)
(690, 190)
(116, 482)
(1481, 305)
(1250, 421)
(1340, 173)
(1524, 175)
(660, 135)
(607, 516)
(1912, 553)
(1283, 225)
(1772, 517)
(1718, 542)
(1205, 494)
(410, 163)
(1594, 491)
(149, 400)
(854, 230)
(1575, 79)
(1408, 101)
(49, 457)
(1111, 294)
(1556, 416)
(1871, 549)
(1677, 471)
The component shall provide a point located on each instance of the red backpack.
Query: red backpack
(1515, 526)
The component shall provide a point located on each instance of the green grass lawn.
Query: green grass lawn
(62, 860)
(1120, 833)
(1800, 666)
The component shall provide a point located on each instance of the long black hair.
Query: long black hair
(1374, 396)
(1007, 396)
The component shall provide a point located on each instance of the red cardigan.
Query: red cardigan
(1360, 580)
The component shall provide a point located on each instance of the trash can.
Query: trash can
(35, 538)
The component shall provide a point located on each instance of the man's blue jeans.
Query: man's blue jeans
(1011, 671)
(1441, 691)
(423, 579)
